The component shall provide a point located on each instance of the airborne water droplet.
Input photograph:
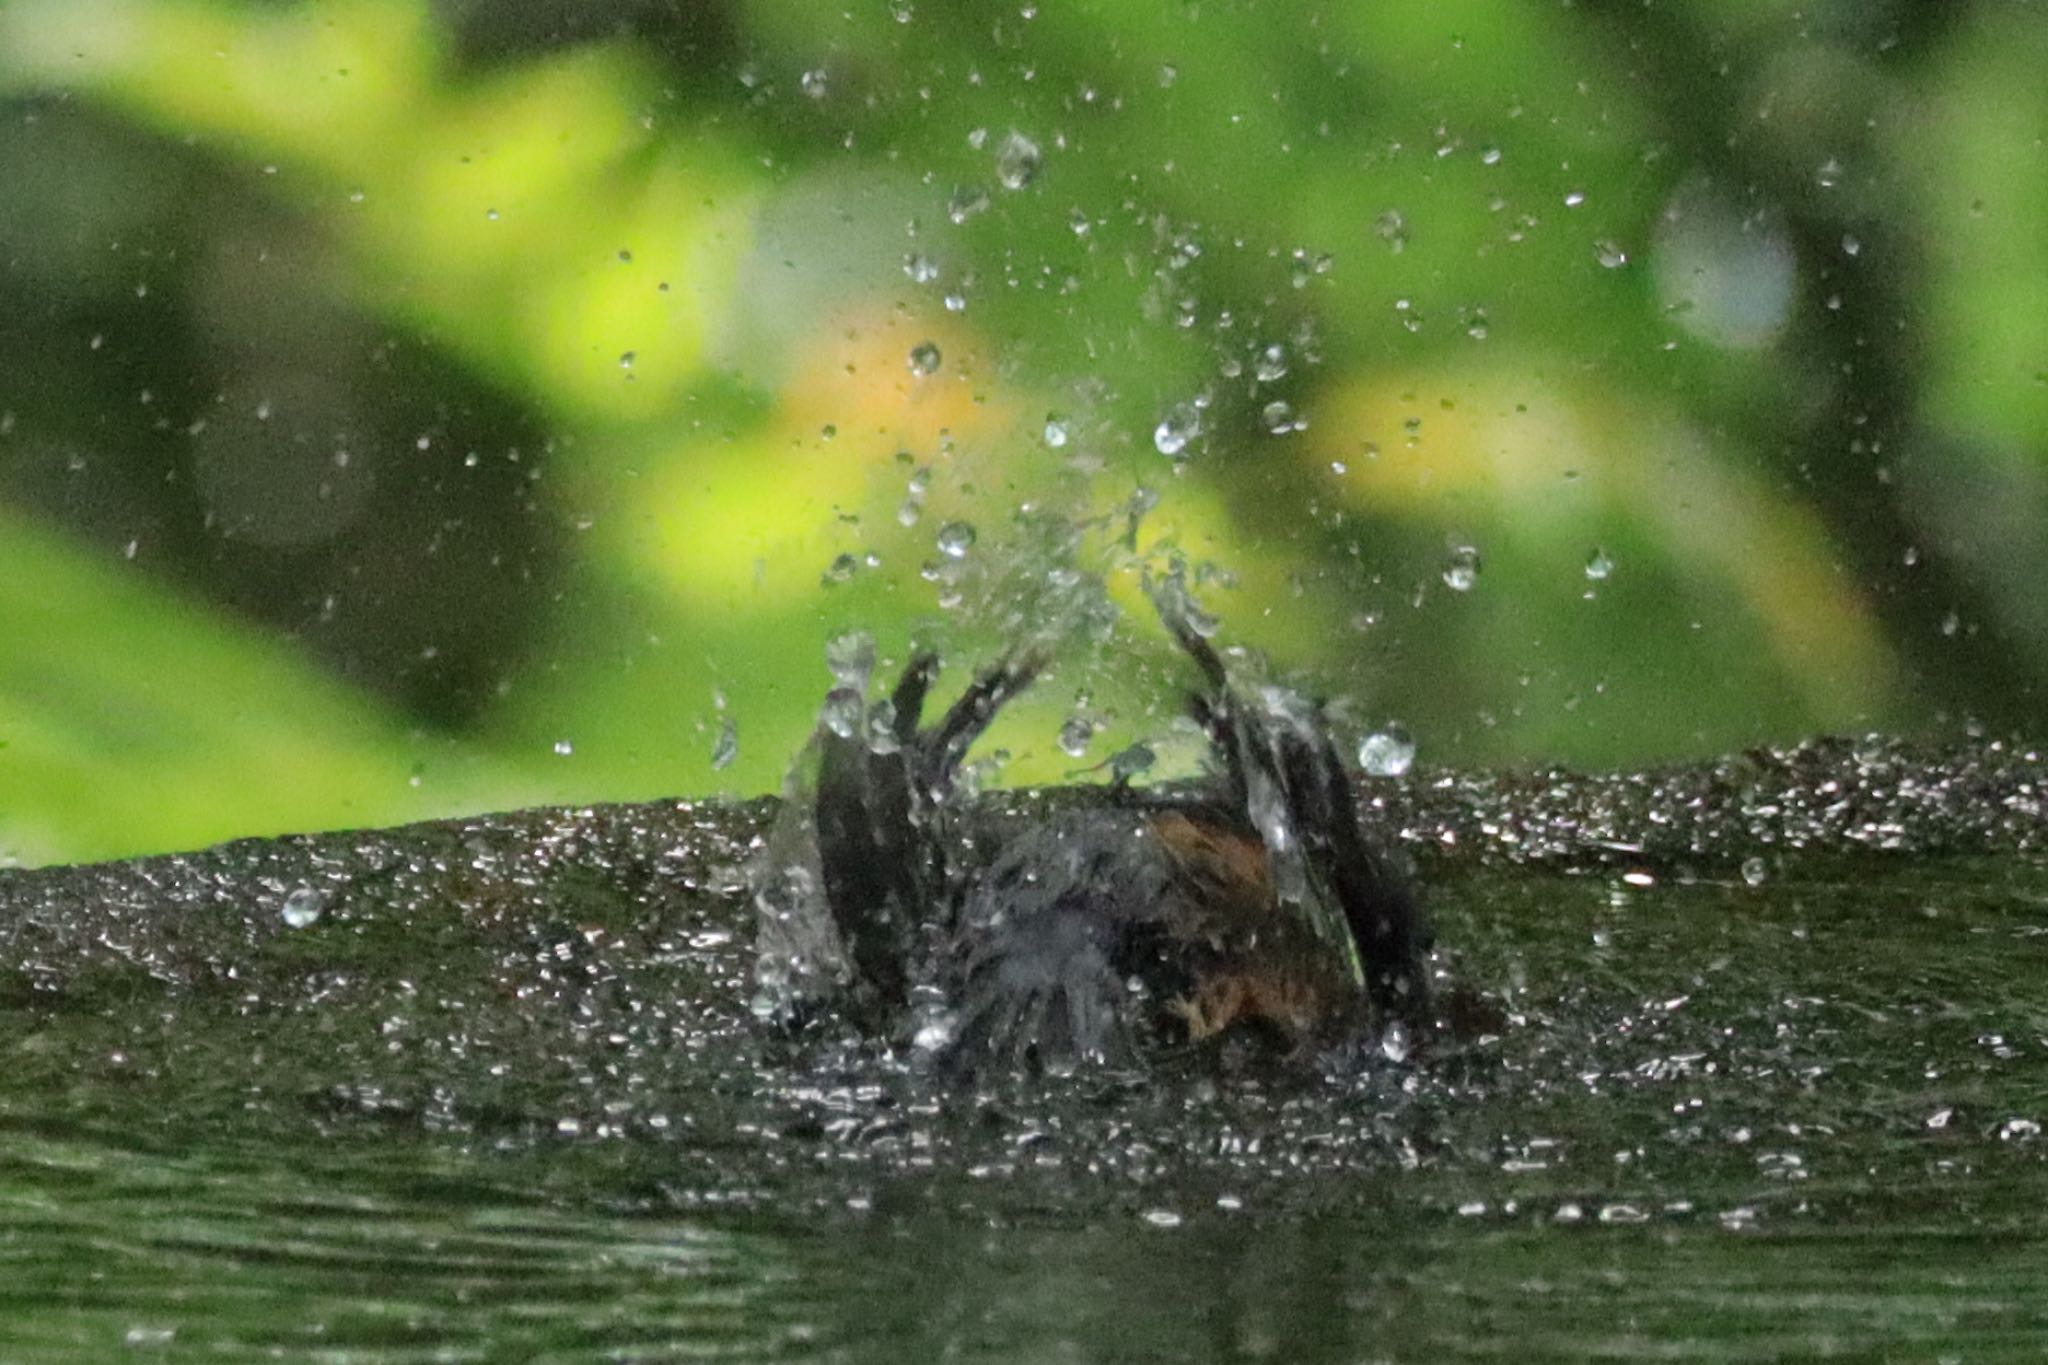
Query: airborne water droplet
(1280, 418)
(1017, 161)
(842, 711)
(956, 538)
(967, 201)
(1395, 1044)
(1271, 363)
(851, 658)
(1387, 751)
(1180, 426)
(727, 747)
(1461, 570)
(1392, 228)
(1135, 761)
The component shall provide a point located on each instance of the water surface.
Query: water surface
(1772, 1083)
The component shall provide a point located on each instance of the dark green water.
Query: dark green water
(501, 1100)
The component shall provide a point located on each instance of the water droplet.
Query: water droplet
(1754, 871)
(1180, 426)
(813, 83)
(1574, 198)
(840, 570)
(1395, 1044)
(908, 513)
(1387, 751)
(956, 538)
(921, 268)
(1392, 228)
(727, 747)
(1306, 266)
(1609, 254)
(882, 737)
(1598, 565)
(1271, 363)
(1168, 74)
(1852, 245)
(842, 711)
(1829, 174)
(1280, 418)
(1162, 1218)
(564, 747)
(1461, 570)
(935, 1030)
(1075, 736)
(967, 201)
(1017, 161)
(1055, 431)
(851, 658)
(303, 907)
(1134, 761)
(924, 359)
(1489, 156)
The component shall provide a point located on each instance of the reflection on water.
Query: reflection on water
(501, 1099)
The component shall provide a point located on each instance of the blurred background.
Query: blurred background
(410, 407)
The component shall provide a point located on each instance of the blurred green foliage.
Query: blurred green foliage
(410, 409)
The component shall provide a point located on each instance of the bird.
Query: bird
(1256, 903)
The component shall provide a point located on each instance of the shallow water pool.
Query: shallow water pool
(489, 1090)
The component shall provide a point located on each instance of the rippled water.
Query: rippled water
(1766, 1089)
